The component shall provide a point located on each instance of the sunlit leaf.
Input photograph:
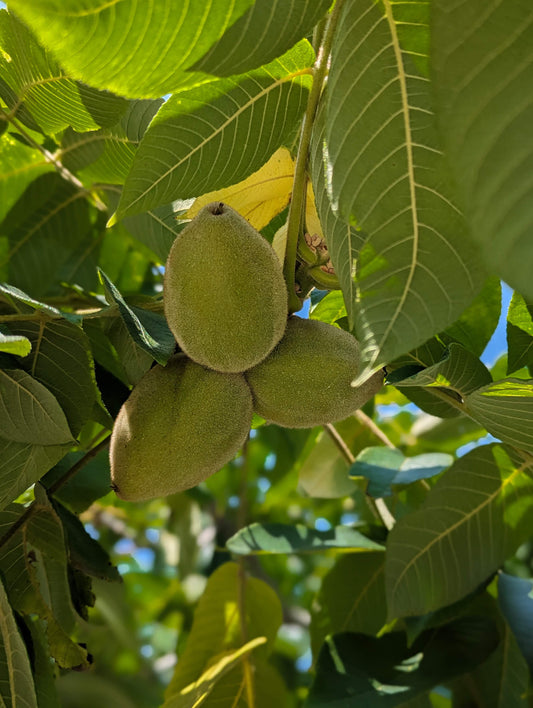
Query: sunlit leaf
(519, 334)
(137, 49)
(281, 538)
(37, 81)
(475, 516)
(188, 149)
(14, 344)
(265, 31)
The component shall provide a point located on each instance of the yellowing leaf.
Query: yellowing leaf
(260, 197)
(312, 222)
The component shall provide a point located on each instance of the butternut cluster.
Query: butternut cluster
(225, 301)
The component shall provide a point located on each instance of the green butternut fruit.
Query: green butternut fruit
(180, 425)
(306, 380)
(224, 294)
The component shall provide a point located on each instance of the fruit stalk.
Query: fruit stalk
(299, 186)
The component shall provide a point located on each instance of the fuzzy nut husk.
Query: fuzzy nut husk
(306, 380)
(180, 425)
(224, 294)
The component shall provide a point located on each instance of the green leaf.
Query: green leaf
(476, 325)
(16, 682)
(34, 565)
(137, 49)
(351, 598)
(19, 165)
(149, 330)
(61, 360)
(283, 538)
(29, 412)
(17, 297)
(84, 552)
(195, 693)
(354, 669)
(22, 464)
(490, 159)
(106, 155)
(89, 484)
(217, 622)
(384, 466)
(265, 31)
(14, 344)
(519, 334)
(505, 408)
(417, 270)
(43, 229)
(344, 241)
(37, 81)
(515, 596)
(188, 149)
(330, 309)
(43, 668)
(475, 516)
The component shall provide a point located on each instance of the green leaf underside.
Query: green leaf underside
(265, 31)
(344, 241)
(34, 565)
(351, 599)
(281, 538)
(16, 682)
(43, 230)
(29, 413)
(474, 517)
(22, 464)
(61, 360)
(355, 669)
(384, 467)
(216, 627)
(516, 604)
(35, 78)
(417, 271)
(148, 330)
(505, 409)
(519, 334)
(138, 49)
(18, 297)
(492, 161)
(189, 147)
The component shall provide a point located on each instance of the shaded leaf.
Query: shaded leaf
(265, 31)
(54, 100)
(505, 408)
(282, 538)
(490, 158)
(114, 46)
(417, 270)
(42, 237)
(19, 165)
(106, 155)
(351, 598)
(43, 668)
(475, 516)
(384, 466)
(23, 464)
(16, 682)
(149, 330)
(61, 360)
(515, 596)
(386, 672)
(188, 149)
(519, 334)
(19, 298)
(29, 412)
